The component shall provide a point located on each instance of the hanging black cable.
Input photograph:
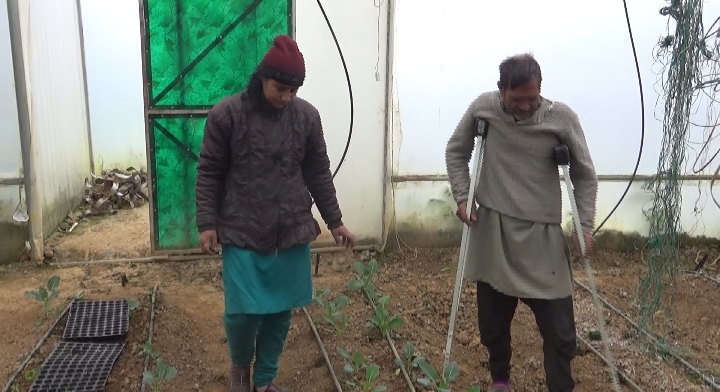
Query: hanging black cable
(347, 77)
(642, 111)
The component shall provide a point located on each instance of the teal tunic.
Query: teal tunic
(257, 283)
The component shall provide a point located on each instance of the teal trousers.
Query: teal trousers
(260, 336)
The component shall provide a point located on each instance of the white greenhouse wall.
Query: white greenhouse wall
(54, 78)
(361, 30)
(12, 234)
(587, 63)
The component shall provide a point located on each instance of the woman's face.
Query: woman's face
(278, 95)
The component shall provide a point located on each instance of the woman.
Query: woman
(263, 156)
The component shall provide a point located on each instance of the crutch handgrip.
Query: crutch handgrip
(561, 153)
(481, 127)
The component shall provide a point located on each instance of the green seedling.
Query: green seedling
(133, 304)
(364, 278)
(332, 314)
(355, 361)
(31, 374)
(372, 372)
(47, 294)
(411, 359)
(382, 320)
(436, 381)
(162, 371)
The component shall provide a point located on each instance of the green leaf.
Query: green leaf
(328, 319)
(396, 323)
(132, 303)
(372, 372)
(380, 388)
(54, 295)
(341, 302)
(148, 377)
(53, 283)
(33, 294)
(343, 353)
(355, 285)
(171, 373)
(428, 369)
(360, 268)
(451, 371)
(474, 388)
(349, 369)
(43, 293)
(424, 382)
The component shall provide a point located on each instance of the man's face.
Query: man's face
(278, 95)
(522, 101)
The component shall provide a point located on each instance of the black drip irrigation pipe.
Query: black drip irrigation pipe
(150, 333)
(708, 380)
(323, 351)
(39, 344)
(392, 346)
(622, 374)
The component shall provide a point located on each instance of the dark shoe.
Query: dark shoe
(240, 378)
(273, 388)
(499, 387)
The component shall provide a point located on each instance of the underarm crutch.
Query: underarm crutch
(562, 158)
(480, 136)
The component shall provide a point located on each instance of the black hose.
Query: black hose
(642, 111)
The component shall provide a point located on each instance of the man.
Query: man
(263, 156)
(516, 247)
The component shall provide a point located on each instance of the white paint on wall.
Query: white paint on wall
(55, 82)
(361, 29)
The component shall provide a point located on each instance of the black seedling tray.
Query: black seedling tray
(78, 367)
(97, 319)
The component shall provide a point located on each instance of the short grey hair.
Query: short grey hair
(519, 69)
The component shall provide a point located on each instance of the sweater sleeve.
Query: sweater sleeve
(582, 173)
(458, 153)
(212, 168)
(318, 177)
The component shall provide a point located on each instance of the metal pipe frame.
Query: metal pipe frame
(33, 193)
(17, 181)
(601, 177)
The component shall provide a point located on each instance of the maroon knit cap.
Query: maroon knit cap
(284, 62)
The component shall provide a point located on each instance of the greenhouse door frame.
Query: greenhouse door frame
(151, 112)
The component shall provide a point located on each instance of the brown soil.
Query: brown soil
(190, 335)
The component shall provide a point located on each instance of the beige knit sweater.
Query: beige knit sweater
(519, 176)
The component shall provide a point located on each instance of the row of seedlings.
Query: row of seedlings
(361, 374)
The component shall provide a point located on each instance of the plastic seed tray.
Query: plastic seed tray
(97, 319)
(78, 367)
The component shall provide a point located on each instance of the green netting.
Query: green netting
(198, 53)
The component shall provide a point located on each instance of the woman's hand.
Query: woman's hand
(343, 237)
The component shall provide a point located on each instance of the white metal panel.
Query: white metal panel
(587, 62)
(12, 234)
(58, 109)
(361, 29)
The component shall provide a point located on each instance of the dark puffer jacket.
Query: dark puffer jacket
(255, 170)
